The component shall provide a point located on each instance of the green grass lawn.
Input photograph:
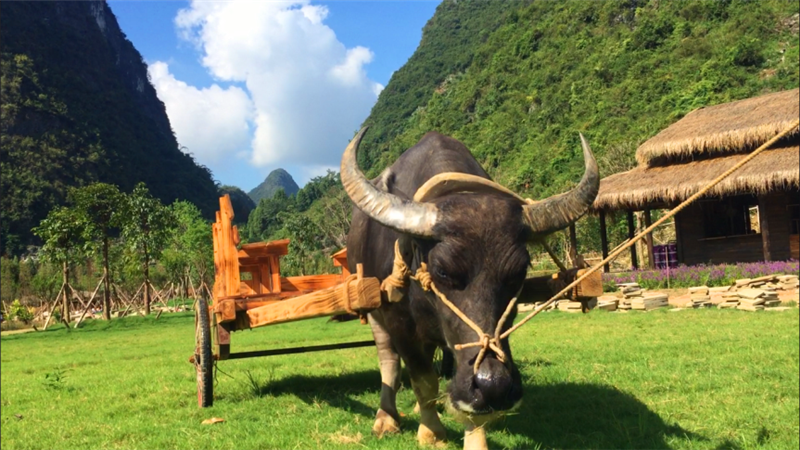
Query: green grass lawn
(700, 379)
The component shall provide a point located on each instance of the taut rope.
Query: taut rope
(401, 273)
(652, 227)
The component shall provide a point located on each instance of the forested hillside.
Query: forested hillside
(78, 107)
(617, 71)
(517, 82)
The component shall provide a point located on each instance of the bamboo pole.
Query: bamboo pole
(55, 303)
(89, 303)
(191, 285)
(553, 255)
(77, 295)
(156, 293)
(133, 298)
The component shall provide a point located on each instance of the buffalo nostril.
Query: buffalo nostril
(494, 381)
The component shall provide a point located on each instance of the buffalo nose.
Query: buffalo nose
(495, 383)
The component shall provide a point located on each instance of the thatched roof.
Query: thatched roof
(722, 129)
(643, 186)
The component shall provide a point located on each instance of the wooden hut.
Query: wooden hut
(752, 215)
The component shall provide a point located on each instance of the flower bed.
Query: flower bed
(688, 276)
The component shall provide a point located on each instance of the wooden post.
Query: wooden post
(763, 221)
(65, 312)
(651, 260)
(604, 239)
(678, 238)
(631, 233)
(275, 270)
(573, 244)
(553, 255)
(106, 283)
(55, 303)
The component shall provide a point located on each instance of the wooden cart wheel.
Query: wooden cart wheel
(444, 362)
(203, 358)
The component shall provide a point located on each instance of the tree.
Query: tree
(264, 221)
(99, 208)
(190, 247)
(146, 228)
(64, 244)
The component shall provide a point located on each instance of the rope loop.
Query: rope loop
(346, 294)
(398, 279)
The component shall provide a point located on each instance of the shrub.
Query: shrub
(18, 311)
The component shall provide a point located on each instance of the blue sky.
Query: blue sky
(253, 86)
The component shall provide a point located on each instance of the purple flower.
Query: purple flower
(687, 276)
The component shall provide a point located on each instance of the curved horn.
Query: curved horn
(402, 215)
(558, 211)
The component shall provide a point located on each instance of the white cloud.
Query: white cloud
(308, 92)
(210, 122)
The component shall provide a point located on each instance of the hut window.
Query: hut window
(732, 216)
(794, 210)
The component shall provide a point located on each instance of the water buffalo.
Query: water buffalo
(473, 242)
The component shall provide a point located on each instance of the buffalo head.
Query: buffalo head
(474, 244)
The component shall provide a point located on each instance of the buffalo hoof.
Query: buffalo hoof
(384, 423)
(431, 437)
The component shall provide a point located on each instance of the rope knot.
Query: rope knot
(423, 277)
(398, 279)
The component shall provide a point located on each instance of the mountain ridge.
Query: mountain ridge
(277, 179)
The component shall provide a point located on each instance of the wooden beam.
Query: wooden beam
(651, 260)
(763, 222)
(631, 233)
(604, 238)
(275, 271)
(272, 248)
(678, 238)
(363, 294)
(573, 244)
(310, 282)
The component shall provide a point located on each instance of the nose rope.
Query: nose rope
(397, 280)
(485, 341)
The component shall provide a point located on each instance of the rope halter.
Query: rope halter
(401, 273)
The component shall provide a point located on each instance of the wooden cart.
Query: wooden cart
(250, 292)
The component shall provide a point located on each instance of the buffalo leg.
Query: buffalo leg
(425, 383)
(475, 438)
(426, 388)
(386, 420)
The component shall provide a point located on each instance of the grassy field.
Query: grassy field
(700, 379)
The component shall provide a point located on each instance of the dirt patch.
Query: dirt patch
(22, 330)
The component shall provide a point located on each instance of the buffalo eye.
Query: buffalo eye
(440, 273)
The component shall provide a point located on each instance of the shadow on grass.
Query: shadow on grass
(339, 392)
(335, 390)
(561, 415)
(576, 415)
